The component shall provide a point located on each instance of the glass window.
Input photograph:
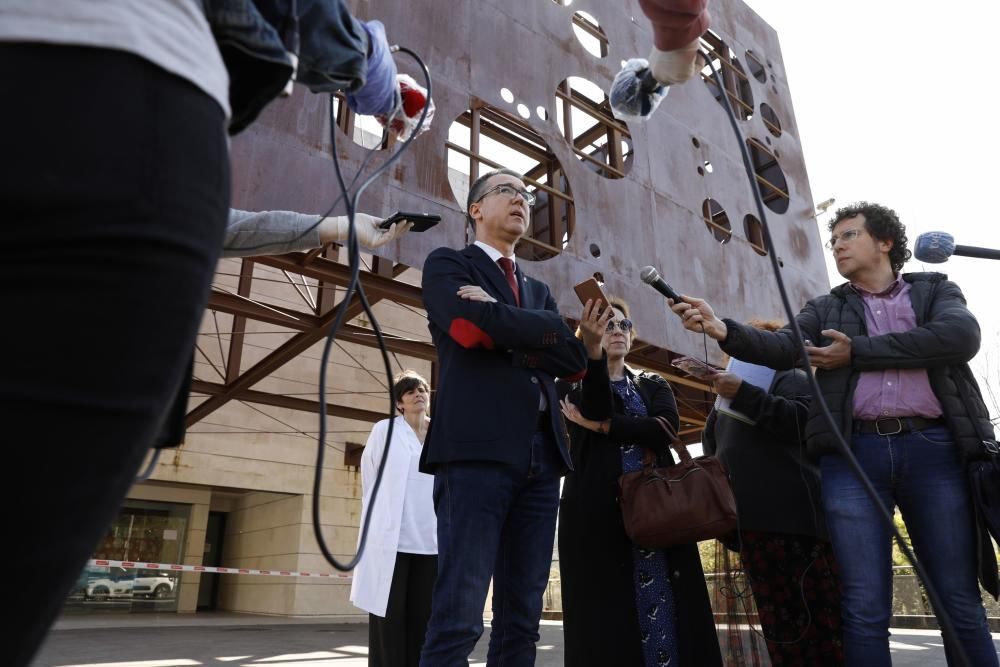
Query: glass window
(143, 532)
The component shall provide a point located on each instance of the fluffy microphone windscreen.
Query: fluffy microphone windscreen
(934, 247)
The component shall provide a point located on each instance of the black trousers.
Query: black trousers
(396, 640)
(114, 191)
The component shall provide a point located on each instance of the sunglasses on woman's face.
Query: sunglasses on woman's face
(624, 325)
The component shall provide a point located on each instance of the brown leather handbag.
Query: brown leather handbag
(678, 504)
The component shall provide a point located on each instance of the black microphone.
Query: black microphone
(651, 277)
(937, 247)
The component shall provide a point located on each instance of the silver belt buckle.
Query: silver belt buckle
(899, 425)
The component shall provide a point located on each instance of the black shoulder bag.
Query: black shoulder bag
(984, 486)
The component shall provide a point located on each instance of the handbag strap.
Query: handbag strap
(675, 441)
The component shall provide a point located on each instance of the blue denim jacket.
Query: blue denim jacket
(261, 40)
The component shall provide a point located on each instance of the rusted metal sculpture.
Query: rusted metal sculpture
(511, 86)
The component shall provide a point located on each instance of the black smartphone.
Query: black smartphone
(421, 221)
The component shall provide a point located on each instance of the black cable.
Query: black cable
(845, 450)
(343, 191)
(354, 286)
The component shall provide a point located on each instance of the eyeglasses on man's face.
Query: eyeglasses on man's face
(624, 325)
(846, 237)
(511, 191)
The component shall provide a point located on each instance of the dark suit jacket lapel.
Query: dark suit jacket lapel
(527, 298)
(492, 271)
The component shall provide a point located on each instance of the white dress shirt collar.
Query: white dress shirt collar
(494, 254)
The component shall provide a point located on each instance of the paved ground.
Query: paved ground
(236, 640)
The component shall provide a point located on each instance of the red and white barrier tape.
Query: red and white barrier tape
(174, 567)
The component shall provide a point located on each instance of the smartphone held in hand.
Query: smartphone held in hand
(694, 367)
(421, 221)
(591, 290)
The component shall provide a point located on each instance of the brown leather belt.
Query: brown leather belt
(894, 425)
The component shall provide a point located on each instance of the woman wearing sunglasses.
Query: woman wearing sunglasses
(623, 605)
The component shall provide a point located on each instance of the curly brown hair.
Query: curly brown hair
(883, 224)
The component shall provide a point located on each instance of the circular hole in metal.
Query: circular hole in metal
(595, 250)
(552, 217)
(542, 113)
(590, 34)
(523, 111)
(755, 234)
(599, 277)
(756, 67)
(770, 119)
(708, 166)
(716, 220)
(734, 78)
(507, 96)
(602, 143)
(771, 180)
(701, 172)
(694, 140)
(365, 131)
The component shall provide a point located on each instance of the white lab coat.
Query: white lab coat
(373, 574)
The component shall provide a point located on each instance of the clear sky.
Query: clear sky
(899, 105)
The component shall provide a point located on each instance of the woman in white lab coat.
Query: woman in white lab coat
(395, 578)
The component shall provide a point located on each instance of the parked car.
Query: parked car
(112, 583)
(159, 585)
(109, 583)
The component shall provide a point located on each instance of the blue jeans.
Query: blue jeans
(922, 472)
(493, 520)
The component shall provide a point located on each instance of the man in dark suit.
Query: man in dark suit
(497, 445)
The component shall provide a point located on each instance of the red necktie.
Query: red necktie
(508, 271)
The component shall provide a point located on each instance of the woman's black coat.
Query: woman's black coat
(600, 624)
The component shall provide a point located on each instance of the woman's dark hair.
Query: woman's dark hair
(883, 224)
(479, 187)
(406, 382)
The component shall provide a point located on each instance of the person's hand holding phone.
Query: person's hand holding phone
(420, 222)
(593, 324)
(370, 232)
(596, 313)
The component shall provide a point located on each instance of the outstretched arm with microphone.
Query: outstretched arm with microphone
(773, 349)
(677, 25)
(642, 84)
(895, 380)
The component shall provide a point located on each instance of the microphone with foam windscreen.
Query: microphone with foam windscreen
(634, 93)
(651, 277)
(937, 247)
